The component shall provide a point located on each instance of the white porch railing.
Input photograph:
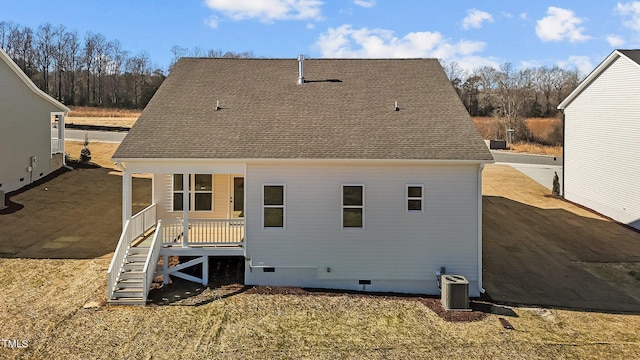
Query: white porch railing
(56, 145)
(133, 228)
(205, 232)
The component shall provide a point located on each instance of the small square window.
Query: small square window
(414, 198)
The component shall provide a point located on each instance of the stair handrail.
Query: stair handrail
(118, 259)
(134, 227)
(152, 260)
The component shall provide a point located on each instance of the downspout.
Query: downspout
(61, 130)
(480, 288)
(563, 147)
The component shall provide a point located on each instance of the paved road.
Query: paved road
(97, 136)
(540, 168)
(509, 157)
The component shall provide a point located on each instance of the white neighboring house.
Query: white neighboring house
(602, 139)
(31, 129)
(329, 173)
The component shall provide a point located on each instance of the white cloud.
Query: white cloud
(530, 64)
(347, 42)
(561, 24)
(268, 11)
(506, 14)
(631, 10)
(310, 26)
(475, 18)
(615, 40)
(524, 16)
(582, 63)
(365, 3)
(212, 22)
(470, 63)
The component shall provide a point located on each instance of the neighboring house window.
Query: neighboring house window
(200, 195)
(352, 206)
(273, 204)
(414, 198)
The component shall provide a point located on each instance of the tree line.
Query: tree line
(89, 70)
(511, 95)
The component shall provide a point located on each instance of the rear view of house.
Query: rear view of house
(31, 129)
(331, 173)
(602, 139)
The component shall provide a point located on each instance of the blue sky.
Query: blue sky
(573, 34)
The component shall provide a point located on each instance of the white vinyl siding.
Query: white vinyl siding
(25, 131)
(392, 246)
(602, 132)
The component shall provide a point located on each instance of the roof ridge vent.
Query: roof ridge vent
(300, 69)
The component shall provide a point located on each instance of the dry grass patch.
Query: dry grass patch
(541, 128)
(94, 112)
(530, 148)
(43, 303)
(126, 122)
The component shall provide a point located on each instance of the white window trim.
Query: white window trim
(192, 193)
(283, 206)
(407, 198)
(342, 206)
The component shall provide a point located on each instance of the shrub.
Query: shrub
(85, 153)
(556, 185)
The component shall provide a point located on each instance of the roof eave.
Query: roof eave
(270, 160)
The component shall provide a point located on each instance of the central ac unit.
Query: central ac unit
(455, 292)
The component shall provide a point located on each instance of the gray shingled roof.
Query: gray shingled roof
(632, 54)
(345, 110)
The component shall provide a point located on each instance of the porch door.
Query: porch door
(236, 206)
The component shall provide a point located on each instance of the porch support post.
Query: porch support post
(126, 197)
(61, 137)
(185, 210)
(165, 269)
(205, 270)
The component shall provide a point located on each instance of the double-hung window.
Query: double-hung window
(199, 192)
(273, 196)
(415, 197)
(353, 206)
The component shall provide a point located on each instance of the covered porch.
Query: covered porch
(194, 214)
(57, 133)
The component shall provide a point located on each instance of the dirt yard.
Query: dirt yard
(545, 251)
(75, 215)
(538, 250)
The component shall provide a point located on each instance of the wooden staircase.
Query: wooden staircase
(130, 284)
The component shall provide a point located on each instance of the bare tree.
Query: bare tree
(513, 89)
(45, 52)
(118, 61)
(89, 58)
(137, 67)
(6, 27)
